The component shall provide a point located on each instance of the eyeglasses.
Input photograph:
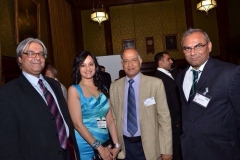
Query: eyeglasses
(198, 47)
(126, 61)
(33, 54)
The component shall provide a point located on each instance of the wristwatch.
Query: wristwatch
(96, 144)
(117, 145)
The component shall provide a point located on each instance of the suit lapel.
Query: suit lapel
(163, 75)
(121, 93)
(142, 94)
(205, 73)
(181, 83)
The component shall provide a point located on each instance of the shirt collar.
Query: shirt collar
(136, 78)
(163, 70)
(32, 79)
(200, 68)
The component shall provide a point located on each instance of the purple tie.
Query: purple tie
(62, 135)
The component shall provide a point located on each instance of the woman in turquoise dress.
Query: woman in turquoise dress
(90, 109)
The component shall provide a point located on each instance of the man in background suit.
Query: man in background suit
(51, 71)
(28, 129)
(153, 135)
(106, 77)
(174, 69)
(164, 62)
(211, 106)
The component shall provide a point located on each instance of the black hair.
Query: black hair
(78, 61)
(159, 56)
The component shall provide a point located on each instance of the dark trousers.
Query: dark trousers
(134, 150)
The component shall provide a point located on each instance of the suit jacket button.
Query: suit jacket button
(56, 134)
(53, 118)
(59, 152)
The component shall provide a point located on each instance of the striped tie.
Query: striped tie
(131, 108)
(62, 135)
(194, 85)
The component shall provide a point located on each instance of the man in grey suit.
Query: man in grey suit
(210, 95)
(145, 131)
(34, 125)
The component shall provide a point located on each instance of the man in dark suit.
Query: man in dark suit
(164, 62)
(210, 95)
(28, 127)
(174, 69)
(106, 77)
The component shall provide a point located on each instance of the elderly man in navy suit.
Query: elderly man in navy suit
(210, 95)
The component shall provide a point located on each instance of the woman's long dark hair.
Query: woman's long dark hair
(78, 61)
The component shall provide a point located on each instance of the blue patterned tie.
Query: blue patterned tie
(194, 85)
(62, 135)
(131, 110)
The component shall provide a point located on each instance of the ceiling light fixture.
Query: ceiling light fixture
(206, 5)
(99, 14)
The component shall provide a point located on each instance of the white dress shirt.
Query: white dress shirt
(188, 79)
(166, 72)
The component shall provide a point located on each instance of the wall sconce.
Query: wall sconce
(206, 5)
(99, 14)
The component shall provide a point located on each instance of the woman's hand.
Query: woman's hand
(115, 152)
(166, 157)
(105, 153)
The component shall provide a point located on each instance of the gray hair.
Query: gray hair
(192, 30)
(139, 54)
(25, 43)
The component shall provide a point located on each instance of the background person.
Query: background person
(210, 107)
(102, 68)
(121, 74)
(164, 63)
(88, 102)
(28, 127)
(175, 70)
(106, 77)
(51, 71)
(141, 113)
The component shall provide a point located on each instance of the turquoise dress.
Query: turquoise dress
(92, 109)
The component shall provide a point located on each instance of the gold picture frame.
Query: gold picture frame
(128, 43)
(170, 42)
(27, 19)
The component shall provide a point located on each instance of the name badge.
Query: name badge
(202, 99)
(101, 123)
(149, 101)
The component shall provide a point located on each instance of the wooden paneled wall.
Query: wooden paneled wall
(10, 69)
(63, 43)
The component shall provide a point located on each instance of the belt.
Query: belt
(133, 139)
